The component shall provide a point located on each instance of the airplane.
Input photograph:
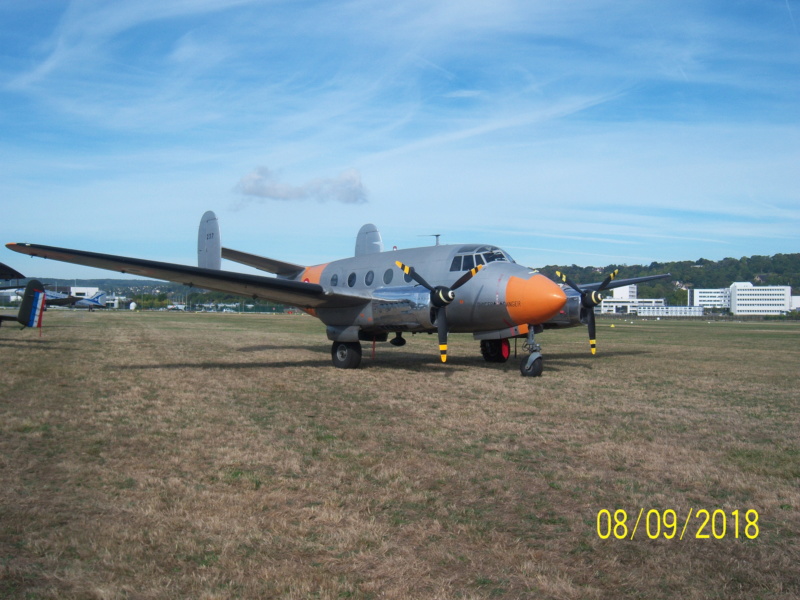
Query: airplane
(454, 288)
(32, 307)
(53, 298)
(97, 300)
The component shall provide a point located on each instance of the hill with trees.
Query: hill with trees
(780, 269)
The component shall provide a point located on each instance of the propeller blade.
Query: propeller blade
(608, 280)
(592, 330)
(589, 300)
(441, 296)
(569, 282)
(441, 327)
(466, 277)
(408, 270)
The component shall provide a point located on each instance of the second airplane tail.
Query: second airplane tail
(32, 307)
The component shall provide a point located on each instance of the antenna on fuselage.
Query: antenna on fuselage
(436, 235)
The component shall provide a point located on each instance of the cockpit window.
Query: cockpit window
(472, 256)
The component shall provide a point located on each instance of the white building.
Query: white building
(626, 292)
(744, 298)
(671, 311)
(626, 301)
(710, 298)
(747, 299)
(83, 292)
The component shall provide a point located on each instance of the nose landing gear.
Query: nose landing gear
(531, 366)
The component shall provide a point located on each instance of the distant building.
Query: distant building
(83, 292)
(117, 302)
(671, 311)
(744, 298)
(626, 301)
(710, 298)
(747, 299)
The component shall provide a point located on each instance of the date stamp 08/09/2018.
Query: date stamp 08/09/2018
(706, 525)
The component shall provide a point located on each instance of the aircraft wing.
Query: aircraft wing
(623, 282)
(7, 272)
(262, 263)
(293, 293)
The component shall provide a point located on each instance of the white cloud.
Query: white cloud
(263, 183)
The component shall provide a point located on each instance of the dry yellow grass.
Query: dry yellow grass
(158, 455)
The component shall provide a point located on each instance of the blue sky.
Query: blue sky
(566, 132)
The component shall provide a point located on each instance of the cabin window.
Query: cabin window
(369, 278)
(456, 266)
(407, 278)
(478, 260)
(469, 263)
(351, 279)
(387, 276)
(334, 280)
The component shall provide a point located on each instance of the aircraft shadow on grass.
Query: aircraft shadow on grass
(408, 361)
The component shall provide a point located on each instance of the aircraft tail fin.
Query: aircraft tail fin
(368, 240)
(99, 299)
(209, 253)
(32, 307)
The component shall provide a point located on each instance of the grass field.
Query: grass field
(155, 455)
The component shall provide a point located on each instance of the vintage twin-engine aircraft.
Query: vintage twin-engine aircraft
(470, 288)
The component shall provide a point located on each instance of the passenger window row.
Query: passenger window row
(369, 278)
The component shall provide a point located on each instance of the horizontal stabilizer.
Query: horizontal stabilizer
(262, 263)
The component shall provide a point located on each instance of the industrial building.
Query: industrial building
(626, 301)
(741, 298)
(744, 298)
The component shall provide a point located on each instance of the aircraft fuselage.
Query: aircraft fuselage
(498, 302)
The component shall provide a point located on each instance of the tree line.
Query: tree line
(780, 269)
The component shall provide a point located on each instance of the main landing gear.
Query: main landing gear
(346, 355)
(495, 351)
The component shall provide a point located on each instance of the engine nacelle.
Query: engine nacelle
(571, 315)
(401, 309)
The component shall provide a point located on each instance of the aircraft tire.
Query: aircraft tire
(495, 351)
(346, 355)
(535, 369)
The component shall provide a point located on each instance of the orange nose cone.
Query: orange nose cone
(533, 300)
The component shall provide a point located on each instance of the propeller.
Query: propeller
(441, 296)
(588, 301)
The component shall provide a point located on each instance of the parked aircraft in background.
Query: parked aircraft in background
(97, 300)
(469, 288)
(32, 307)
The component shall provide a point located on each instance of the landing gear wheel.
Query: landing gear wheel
(346, 355)
(535, 370)
(495, 351)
